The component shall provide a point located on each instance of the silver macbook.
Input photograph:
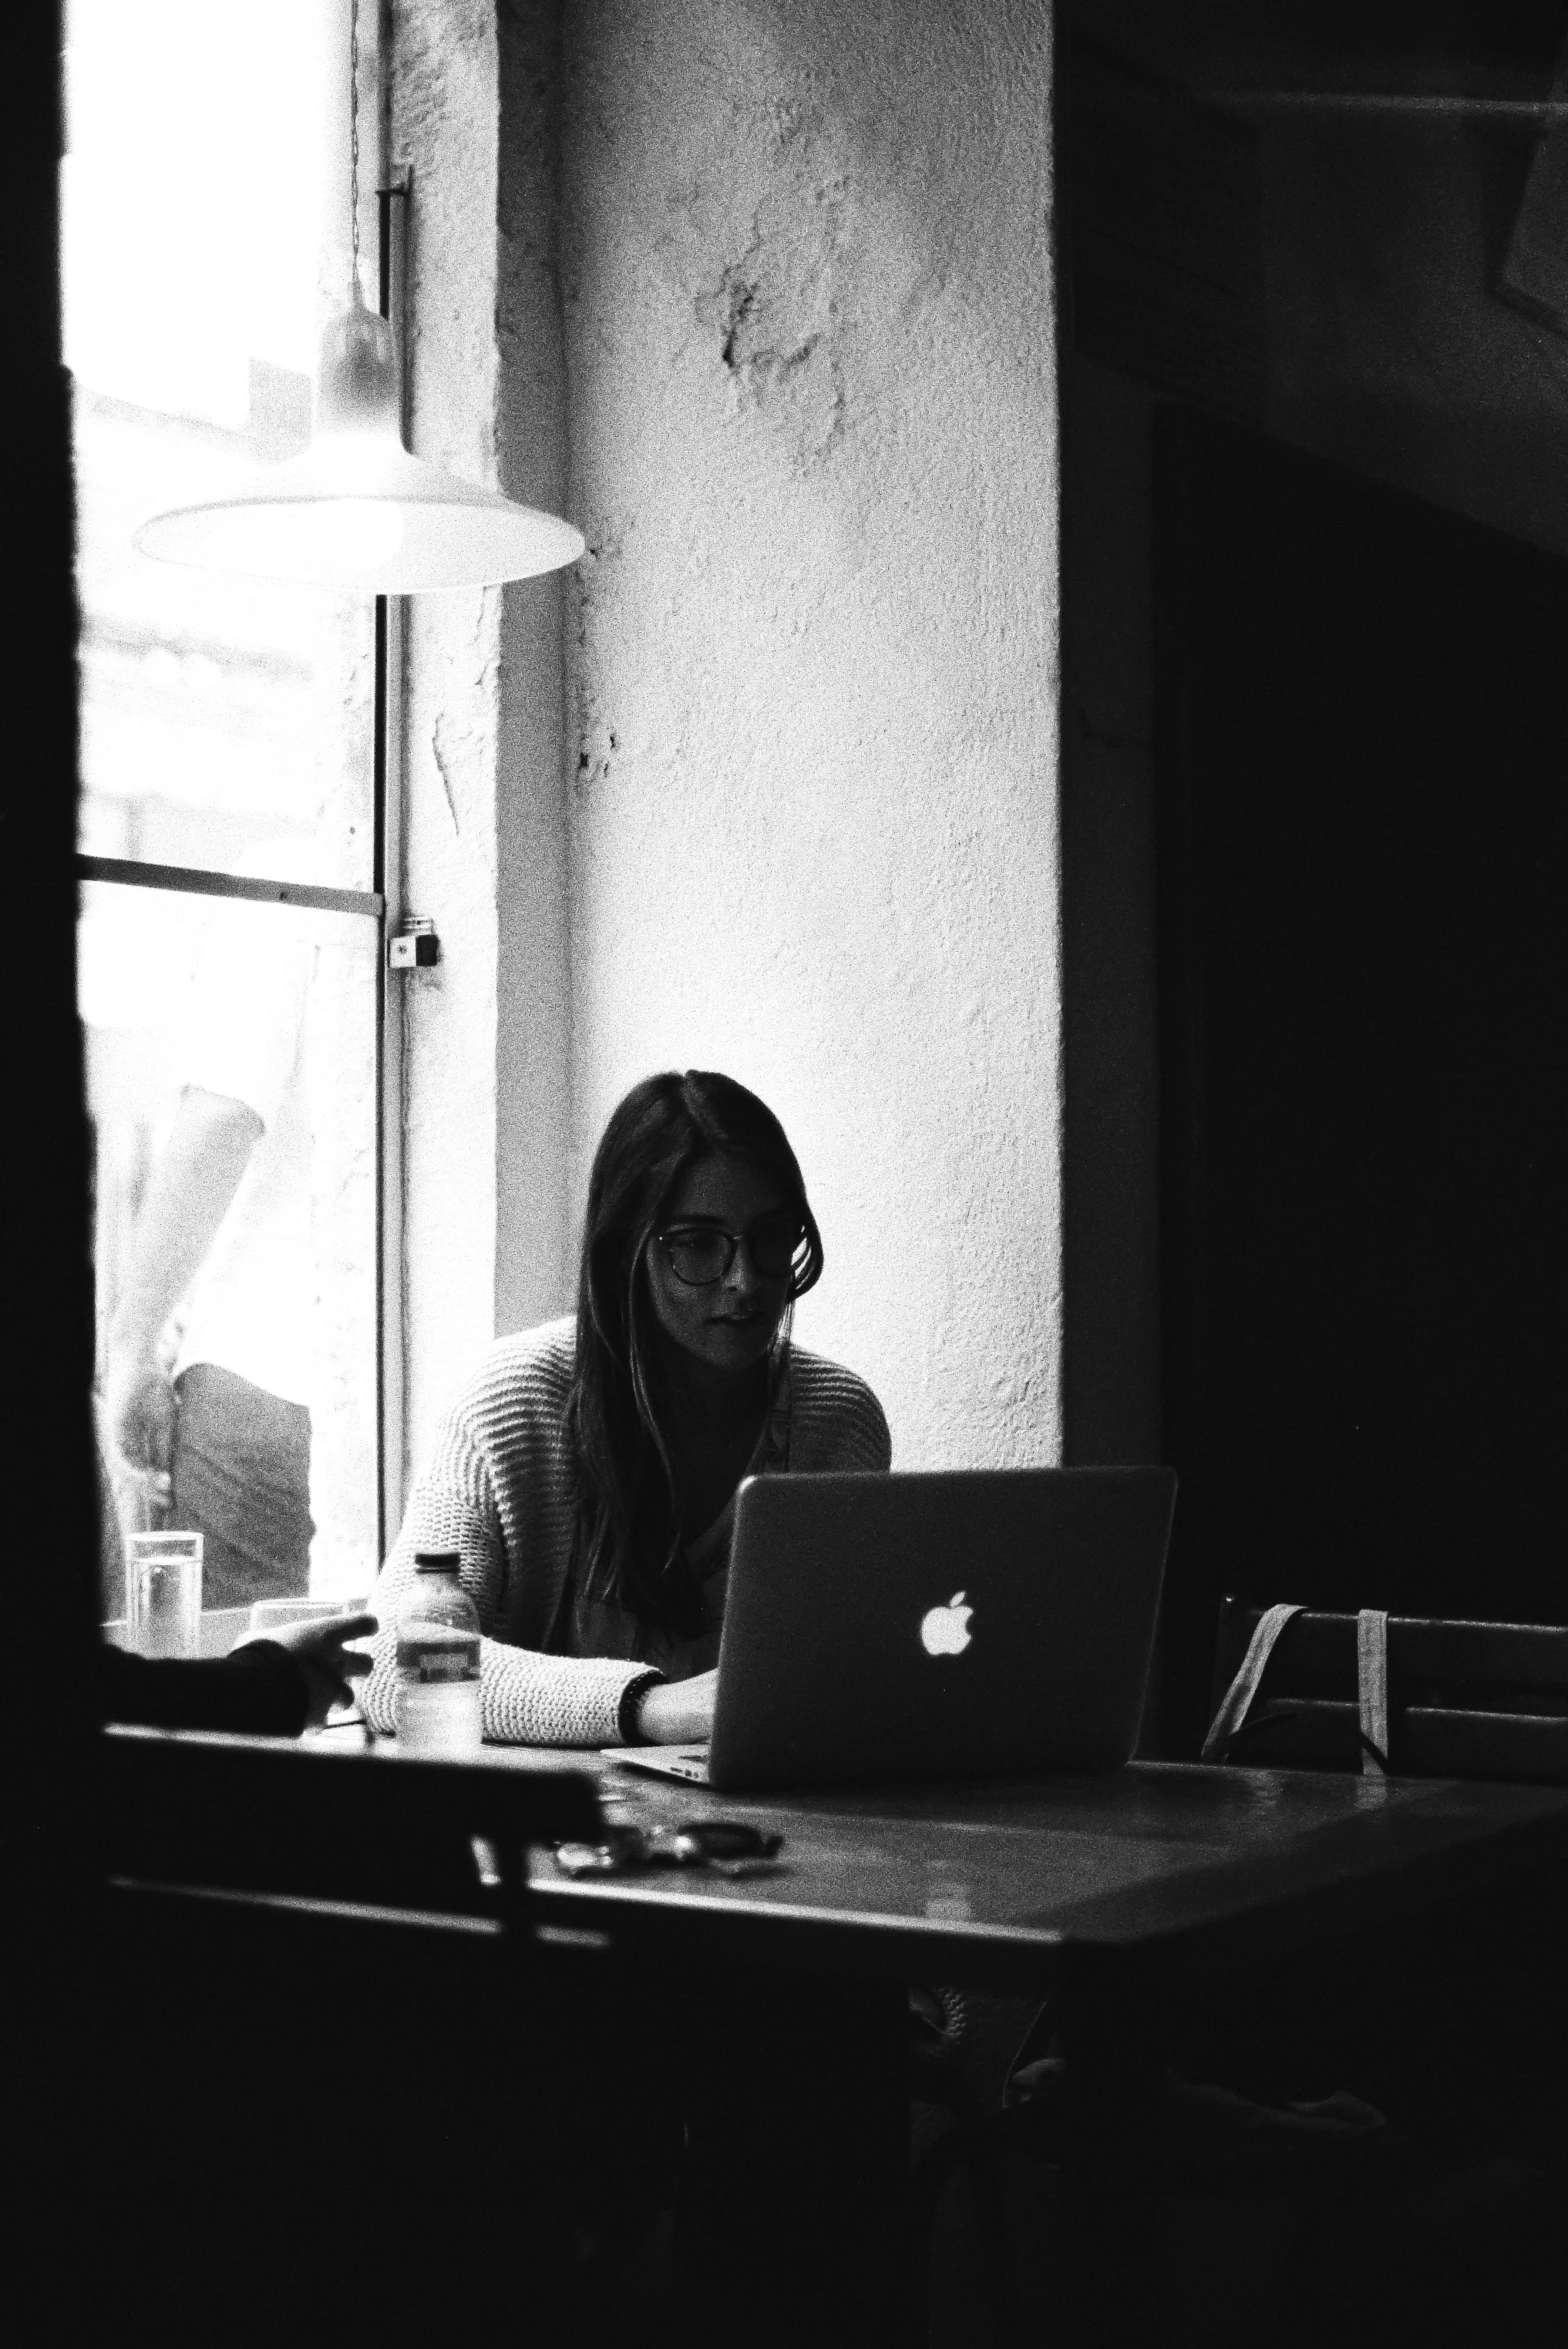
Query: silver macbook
(975, 1622)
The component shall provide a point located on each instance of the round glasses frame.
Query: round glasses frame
(699, 1243)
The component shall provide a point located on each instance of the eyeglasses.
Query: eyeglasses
(701, 1253)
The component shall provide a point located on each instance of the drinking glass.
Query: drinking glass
(163, 1593)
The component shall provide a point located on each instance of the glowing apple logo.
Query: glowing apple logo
(945, 1631)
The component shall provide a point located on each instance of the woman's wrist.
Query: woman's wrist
(630, 1714)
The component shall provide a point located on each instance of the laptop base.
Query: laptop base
(665, 1761)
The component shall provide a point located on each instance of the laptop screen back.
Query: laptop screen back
(959, 1623)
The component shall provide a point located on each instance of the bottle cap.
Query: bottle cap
(436, 1561)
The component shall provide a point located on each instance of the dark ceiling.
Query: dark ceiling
(1499, 49)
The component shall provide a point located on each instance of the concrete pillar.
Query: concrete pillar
(486, 1030)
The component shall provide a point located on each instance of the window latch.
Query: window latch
(413, 946)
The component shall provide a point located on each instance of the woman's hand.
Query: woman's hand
(328, 1666)
(678, 1712)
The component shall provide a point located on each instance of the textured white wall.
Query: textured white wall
(813, 824)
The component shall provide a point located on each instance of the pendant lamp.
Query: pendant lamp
(356, 510)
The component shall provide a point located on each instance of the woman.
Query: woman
(587, 1472)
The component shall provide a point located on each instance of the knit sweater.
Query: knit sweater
(497, 1489)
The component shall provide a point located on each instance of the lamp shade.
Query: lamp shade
(356, 510)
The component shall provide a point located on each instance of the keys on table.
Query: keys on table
(726, 1846)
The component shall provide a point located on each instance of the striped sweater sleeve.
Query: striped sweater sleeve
(837, 1422)
(527, 1698)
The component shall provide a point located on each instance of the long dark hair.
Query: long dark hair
(628, 1536)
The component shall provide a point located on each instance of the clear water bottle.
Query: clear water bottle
(436, 1710)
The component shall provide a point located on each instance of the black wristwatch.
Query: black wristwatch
(631, 1697)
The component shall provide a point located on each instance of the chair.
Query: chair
(332, 2062)
(1297, 1687)
(246, 1818)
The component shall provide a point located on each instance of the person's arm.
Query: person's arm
(192, 1187)
(265, 1687)
(527, 1698)
(319, 1652)
(262, 1693)
(675, 1712)
(836, 1421)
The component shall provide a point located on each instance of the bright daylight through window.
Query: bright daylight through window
(227, 731)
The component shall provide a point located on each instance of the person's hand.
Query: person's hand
(329, 1667)
(678, 1712)
(140, 1406)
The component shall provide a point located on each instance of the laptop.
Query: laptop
(964, 1623)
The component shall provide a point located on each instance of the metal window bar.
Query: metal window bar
(194, 881)
(387, 874)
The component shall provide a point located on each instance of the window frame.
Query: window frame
(383, 903)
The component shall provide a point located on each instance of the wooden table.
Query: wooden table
(1124, 1897)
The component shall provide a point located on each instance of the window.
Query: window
(233, 837)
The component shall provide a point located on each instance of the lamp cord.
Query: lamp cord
(353, 140)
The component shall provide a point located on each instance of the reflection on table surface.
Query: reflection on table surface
(1156, 1848)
